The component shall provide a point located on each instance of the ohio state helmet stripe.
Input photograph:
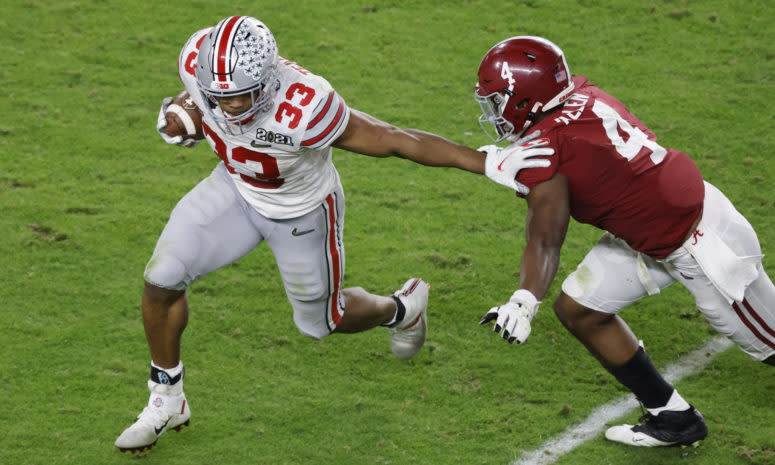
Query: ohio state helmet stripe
(751, 326)
(332, 126)
(223, 47)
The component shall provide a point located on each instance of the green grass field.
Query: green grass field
(86, 186)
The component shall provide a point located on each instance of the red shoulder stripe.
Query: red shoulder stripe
(331, 127)
(323, 112)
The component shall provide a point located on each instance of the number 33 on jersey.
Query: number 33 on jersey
(282, 162)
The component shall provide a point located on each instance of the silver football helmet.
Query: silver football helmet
(238, 56)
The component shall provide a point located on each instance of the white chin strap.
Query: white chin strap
(528, 122)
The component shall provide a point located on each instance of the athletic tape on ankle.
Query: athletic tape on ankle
(162, 377)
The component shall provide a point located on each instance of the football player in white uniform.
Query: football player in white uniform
(273, 123)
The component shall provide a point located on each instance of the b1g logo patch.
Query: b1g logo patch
(273, 137)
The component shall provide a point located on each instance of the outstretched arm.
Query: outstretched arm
(369, 136)
(546, 222)
(548, 215)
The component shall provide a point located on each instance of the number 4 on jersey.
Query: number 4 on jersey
(613, 122)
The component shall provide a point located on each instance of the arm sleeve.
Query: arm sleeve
(187, 64)
(328, 121)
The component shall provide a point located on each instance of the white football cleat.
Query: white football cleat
(669, 428)
(408, 336)
(167, 409)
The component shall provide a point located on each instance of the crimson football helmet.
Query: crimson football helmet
(238, 56)
(519, 79)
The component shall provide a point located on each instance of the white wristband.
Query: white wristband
(527, 299)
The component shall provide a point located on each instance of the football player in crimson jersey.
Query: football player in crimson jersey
(662, 223)
(273, 123)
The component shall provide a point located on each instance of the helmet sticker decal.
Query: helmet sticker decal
(253, 51)
(506, 74)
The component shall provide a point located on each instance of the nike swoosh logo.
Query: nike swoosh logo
(158, 430)
(295, 232)
(258, 146)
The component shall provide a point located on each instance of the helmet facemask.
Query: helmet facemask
(260, 98)
(499, 110)
(492, 106)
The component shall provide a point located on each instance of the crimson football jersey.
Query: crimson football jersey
(619, 178)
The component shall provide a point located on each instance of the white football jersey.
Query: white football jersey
(282, 163)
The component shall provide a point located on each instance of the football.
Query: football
(184, 118)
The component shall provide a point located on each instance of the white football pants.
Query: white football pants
(612, 276)
(212, 226)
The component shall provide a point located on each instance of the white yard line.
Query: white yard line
(595, 423)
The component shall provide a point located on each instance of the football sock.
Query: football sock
(399, 315)
(641, 377)
(676, 404)
(166, 375)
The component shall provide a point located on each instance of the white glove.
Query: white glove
(161, 123)
(503, 164)
(512, 320)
